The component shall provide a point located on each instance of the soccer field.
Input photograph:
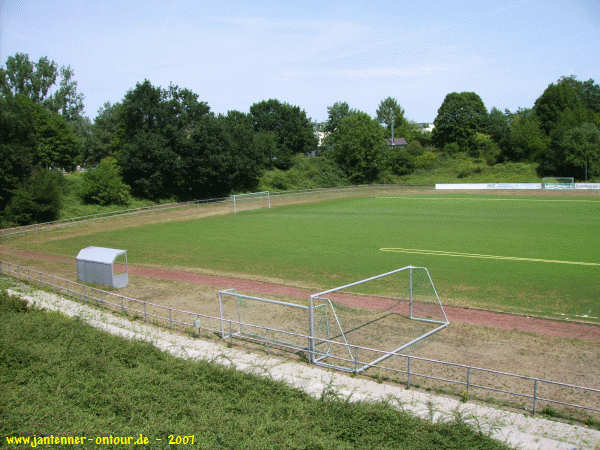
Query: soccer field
(531, 254)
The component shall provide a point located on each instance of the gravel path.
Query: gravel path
(506, 321)
(518, 430)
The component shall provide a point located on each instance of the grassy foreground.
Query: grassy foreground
(335, 242)
(62, 377)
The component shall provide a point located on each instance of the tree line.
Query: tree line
(159, 143)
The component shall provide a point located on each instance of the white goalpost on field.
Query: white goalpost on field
(251, 200)
(558, 183)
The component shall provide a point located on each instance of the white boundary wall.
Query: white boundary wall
(591, 186)
(489, 186)
(520, 186)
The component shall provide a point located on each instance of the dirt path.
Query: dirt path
(494, 319)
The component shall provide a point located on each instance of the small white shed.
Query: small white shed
(97, 265)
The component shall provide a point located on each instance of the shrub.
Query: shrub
(451, 148)
(9, 303)
(306, 173)
(486, 148)
(426, 160)
(38, 199)
(103, 185)
(400, 161)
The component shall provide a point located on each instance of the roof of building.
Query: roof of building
(397, 142)
(99, 254)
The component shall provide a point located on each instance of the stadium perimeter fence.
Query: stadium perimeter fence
(531, 393)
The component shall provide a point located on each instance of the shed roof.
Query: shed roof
(400, 142)
(99, 254)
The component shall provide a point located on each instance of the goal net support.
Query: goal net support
(558, 183)
(252, 200)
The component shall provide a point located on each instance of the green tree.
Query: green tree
(31, 136)
(245, 153)
(206, 163)
(389, 111)
(459, 118)
(106, 135)
(17, 144)
(582, 148)
(37, 199)
(291, 126)
(155, 127)
(568, 97)
(56, 143)
(103, 184)
(498, 127)
(526, 139)
(335, 113)
(357, 147)
(36, 81)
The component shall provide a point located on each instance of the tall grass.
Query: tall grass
(60, 376)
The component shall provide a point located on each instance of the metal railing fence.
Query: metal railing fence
(13, 231)
(173, 317)
(6, 232)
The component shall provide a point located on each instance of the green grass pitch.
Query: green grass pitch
(552, 245)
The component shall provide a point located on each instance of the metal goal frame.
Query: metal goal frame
(236, 197)
(320, 296)
(316, 344)
(558, 183)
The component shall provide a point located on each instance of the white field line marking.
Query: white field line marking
(417, 251)
(489, 199)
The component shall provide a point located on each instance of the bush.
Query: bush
(399, 161)
(38, 199)
(9, 304)
(486, 148)
(306, 173)
(451, 148)
(426, 160)
(103, 185)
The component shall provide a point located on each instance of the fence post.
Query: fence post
(408, 371)
(170, 318)
(145, 313)
(535, 388)
(468, 379)
(122, 305)
(220, 297)
(311, 332)
(230, 333)
(355, 353)
(269, 336)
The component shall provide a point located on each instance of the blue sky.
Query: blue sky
(312, 54)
